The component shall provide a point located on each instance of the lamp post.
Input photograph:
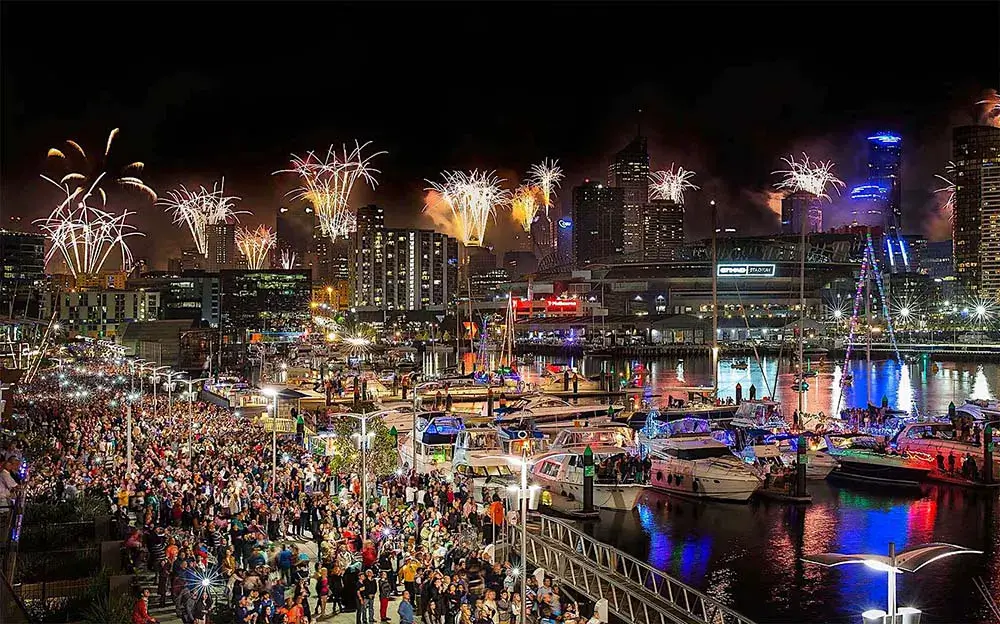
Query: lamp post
(152, 381)
(190, 383)
(271, 392)
(130, 399)
(909, 560)
(364, 442)
(523, 464)
(170, 386)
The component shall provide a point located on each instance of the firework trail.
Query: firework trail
(547, 177)
(524, 205)
(808, 176)
(85, 236)
(287, 259)
(992, 114)
(327, 183)
(256, 245)
(473, 198)
(949, 185)
(198, 209)
(670, 185)
(89, 175)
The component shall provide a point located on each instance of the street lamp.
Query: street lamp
(271, 392)
(190, 383)
(523, 464)
(364, 443)
(131, 398)
(153, 378)
(170, 386)
(909, 560)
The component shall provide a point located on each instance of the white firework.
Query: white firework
(287, 259)
(198, 209)
(670, 185)
(473, 198)
(949, 184)
(256, 245)
(547, 177)
(808, 176)
(327, 183)
(85, 236)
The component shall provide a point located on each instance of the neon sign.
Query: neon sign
(565, 224)
(744, 270)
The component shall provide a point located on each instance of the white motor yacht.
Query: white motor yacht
(544, 409)
(686, 460)
(433, 444)
(561, 471)
(925, 440)
(479, 453)
(782, 450)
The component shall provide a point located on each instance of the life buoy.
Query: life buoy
(522, 434)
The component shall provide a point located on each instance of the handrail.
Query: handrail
(612, 561)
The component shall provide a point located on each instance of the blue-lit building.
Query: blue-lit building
(868, 205)
(885, 151)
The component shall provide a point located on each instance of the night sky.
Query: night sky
(204, 90)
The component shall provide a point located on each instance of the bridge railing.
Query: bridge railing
(613, 562)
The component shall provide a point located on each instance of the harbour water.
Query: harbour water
(750, 555)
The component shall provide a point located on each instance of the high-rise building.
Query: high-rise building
(272, 300)
(222, 253)
(564, 240)
(884, 155)
(662, 230)
(332, 260)
(543, 235)
(868, 206)
(101, 313)
(798, 206)
(597, 221)
(629, 171)
(295, 231)
(976, 209)
(479, 260)
(22, 267)
(368, 251)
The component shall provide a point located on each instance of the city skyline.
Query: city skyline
(166, 119)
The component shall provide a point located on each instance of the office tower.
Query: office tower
(798, 206)
(884, 155)
(480, 260)
(868, 206)
(331, 260)
(662, 230)
(222, 253)
(543, 235)
(976, 216)
(295, 231)
(597, 221)
(629, 171)
(22, 267)
(564, 240)
(255, 302)
(420, 269)
(368, 258)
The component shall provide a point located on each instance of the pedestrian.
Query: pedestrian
(405, 609)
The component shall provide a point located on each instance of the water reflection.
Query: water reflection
(749, 556)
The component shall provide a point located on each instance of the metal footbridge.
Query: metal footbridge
(636, 592)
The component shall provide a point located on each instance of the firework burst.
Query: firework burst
(86, 175)
(808, 176)
(473, 198)
(256, 245)
(198, 209)
(547, 177)
(85, 236)
(524, 205)
(287, 259)
(327, 183)
(949, 186)
(992, 113)
(670, 185)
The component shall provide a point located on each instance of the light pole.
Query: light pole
(523, 491)
(170, 386)
(190, 383)
(909, 560)
(130, 399)
(153, 378)
(364, 442)
(271, 392)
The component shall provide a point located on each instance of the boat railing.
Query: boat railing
(637, 580)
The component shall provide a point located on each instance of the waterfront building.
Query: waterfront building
(520, 263)
(976, 210)
(100, 313)
(22, 267)
(489, 285)
(629, 172)
(266, 301)
(597, 221)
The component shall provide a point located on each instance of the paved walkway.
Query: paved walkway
(167, 615)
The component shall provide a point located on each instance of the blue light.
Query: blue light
(868, 191)
(565, 224)
(885, 137)
(902, 248)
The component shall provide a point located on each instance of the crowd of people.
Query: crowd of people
(199, 510)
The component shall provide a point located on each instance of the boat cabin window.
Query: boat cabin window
(594, 437)
(691, 454)
(549, 468)
(941, 432)
(485, 440)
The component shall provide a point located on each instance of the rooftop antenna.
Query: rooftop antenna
(638, 124)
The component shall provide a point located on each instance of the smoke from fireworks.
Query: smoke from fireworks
(198, 209)
(472, 198)
(524, 205)
(256, 245)
(85, 236)
(670, 185)
(547, 177)
(86, 175)
(327, 183)
(991, 116)
(808, 176)
(287, 259)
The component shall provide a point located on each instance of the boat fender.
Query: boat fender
(694, 485)
(522, 434)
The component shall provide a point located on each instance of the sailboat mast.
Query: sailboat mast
(715, 305)
(868, 343)
(804, 217)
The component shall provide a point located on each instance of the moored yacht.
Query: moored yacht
(544, 408)
(479, 453)
(865, 458)
(686, 460)
(434, 442)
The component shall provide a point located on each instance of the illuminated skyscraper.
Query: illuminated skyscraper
(868, 206)
(222, 253)
(976, 217)
(629, 171)
(885, 151)
(597, 221)
(662, 230)
(798, 206)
